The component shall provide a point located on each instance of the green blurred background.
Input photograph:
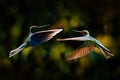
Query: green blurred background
(47, 61)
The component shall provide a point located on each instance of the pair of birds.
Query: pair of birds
(43, 36)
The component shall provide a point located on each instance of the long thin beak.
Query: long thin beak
(44, 25)
(37, 27)
(78, 31)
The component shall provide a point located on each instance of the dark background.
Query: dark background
(47, 61)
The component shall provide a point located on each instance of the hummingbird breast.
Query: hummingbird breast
(92, 41)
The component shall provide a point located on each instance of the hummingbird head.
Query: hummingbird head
(84, 32)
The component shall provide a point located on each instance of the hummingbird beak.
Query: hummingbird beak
(44, 25)
(78, 31)
(39, 26)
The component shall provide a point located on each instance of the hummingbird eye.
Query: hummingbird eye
(84, 33)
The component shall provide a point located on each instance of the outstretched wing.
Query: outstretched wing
(80, 52)
(84, 38)
(43, 36)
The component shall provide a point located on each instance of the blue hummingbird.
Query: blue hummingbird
(89, 44)
(36, 38)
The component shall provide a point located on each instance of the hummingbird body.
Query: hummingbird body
(36, 38)
(90, 43)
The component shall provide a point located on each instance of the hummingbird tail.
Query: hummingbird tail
(106, 52)
(17, 50)
(14, 51)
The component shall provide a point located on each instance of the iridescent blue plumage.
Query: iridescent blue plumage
(36, 38)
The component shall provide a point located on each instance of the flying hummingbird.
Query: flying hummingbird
(36, 38)
(90, 43)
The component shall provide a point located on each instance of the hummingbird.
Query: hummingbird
(36, 38)
(89, 44)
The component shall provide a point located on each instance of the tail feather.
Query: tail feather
(15, 51)
(106, 52)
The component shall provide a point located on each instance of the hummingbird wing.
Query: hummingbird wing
(84, 38)
(43, 36)
(80, 52)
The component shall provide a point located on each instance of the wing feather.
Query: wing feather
(43, 36)
(84, 38)
(80, 52)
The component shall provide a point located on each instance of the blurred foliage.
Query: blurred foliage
(47, 61)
